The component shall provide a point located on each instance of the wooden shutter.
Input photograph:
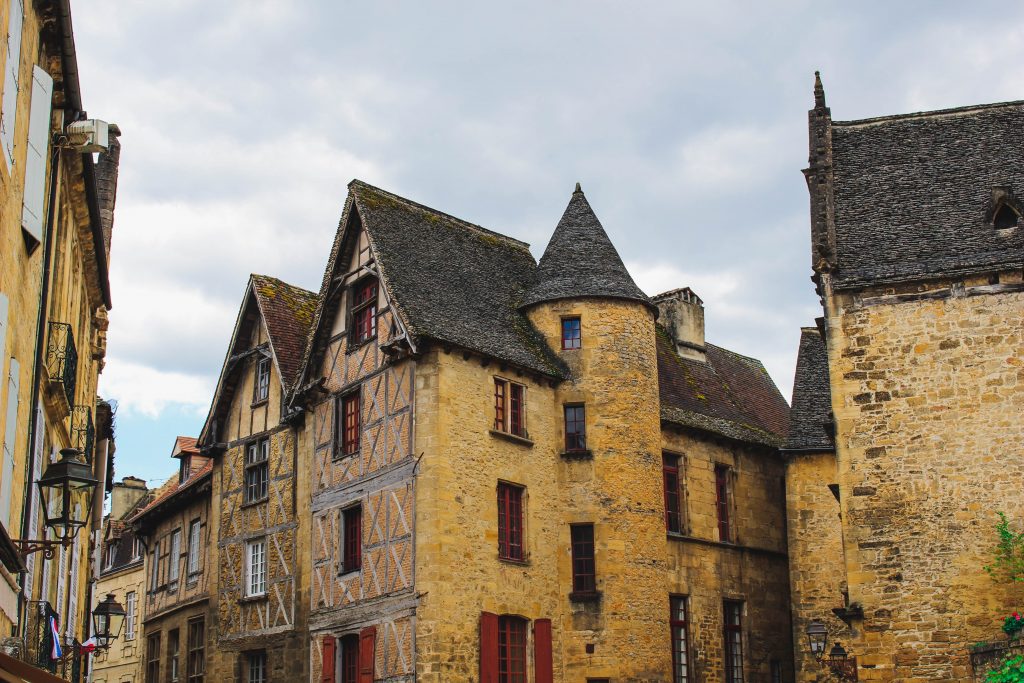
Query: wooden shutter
(367, 643)
(10, 438)
(328, 665)
(488, 647)
(543, 669)
(9, 108)
(36, 154)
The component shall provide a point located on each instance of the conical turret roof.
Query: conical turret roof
(580, 261)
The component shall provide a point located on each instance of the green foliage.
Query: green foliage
(1011, 670)
(1013, 624)
(1008, 563)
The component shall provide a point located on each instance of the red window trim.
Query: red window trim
(670, 476)
(349, 658)
(510, 522)
(722, 473)
(364, 311)
(572, 338)
(350, 417)
(510, 407)
(512, 639)
(584, 566)
(352, 550)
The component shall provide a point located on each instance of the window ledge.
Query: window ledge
(514, 562)
(253, 503)
(337, 457)
(508, 436)
(260, 402)
(262, 597)
(348, 572)
(585, 454)
(585, 596)
(354, 346)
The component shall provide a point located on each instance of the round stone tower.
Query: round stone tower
(589, 310)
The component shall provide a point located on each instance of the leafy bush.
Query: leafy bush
(1008, 563)
(1011, 670)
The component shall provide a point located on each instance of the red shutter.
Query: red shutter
(327, 674)
(367, 642)
(543, 669)
(488, 647)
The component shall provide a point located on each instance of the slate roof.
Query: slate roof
(172, 489)
(913, 193)
(580, 261)
(812, 399)
(450, 280)
(288, 312)
(730, 395)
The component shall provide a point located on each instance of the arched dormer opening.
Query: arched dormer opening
(1005, 217)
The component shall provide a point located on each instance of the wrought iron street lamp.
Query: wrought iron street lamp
(66, 490)
(107, 621)
(817, 638)
(841, 664)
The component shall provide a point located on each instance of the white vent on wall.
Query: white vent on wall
(90, 135)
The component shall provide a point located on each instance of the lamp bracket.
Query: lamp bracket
(48, 548)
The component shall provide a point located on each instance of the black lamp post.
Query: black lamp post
(66, 490)
(107, 621)
(841, 664)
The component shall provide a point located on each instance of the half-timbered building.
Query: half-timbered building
(258, 608)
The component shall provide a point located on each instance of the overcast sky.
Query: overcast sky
(685, 122)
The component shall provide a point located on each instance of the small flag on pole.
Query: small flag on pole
(57, 653)
(88, 646)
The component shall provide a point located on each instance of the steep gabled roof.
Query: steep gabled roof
(580, 261)
(811, 417)
(287, 312)
(730, 395)
(913, 193)
(449, 280)
(173, 491)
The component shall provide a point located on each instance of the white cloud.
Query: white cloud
(139, 389)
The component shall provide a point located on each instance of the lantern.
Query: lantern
(67, 488)
(107, 621)
(817, 638)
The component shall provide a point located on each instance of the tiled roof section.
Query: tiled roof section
(185, 445)
(580, 261)
(453, 281)
(812, 399)
(172, 488)
(913, 193)
(288, 312)
(729, 395)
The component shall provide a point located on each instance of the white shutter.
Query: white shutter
(31, 502)
(35, 156)
(10, 437)
(3, 330)
(12, 66)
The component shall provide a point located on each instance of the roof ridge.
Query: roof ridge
(951, 111)
(283, 282)
(737, 354)
(423, 207)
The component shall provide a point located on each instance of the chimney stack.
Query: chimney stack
(125, 495)
(681, 312)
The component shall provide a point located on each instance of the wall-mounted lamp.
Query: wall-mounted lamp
(66, 490)
(841, 664)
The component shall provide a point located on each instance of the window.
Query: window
(136, 548)
(575, 428)
(584, 579)
(262, 388)
(196, 650)
(257, 665)
(511, 650)
(571, 333)
(173, 560)
(349, 659)
(154, 571)
(733, 641)
(111, 554)
(1005, 218)
(722, 503)
(364, 311)
(256, 470)
(673, 493)
(194, 539)
(153, 658)
(256, 567)
(510, 522)
(130, 600)
(509, 407)
(350, 422)
(184, 469)
(352, 539)
(173, 646)
(680, 628)
(776, 668)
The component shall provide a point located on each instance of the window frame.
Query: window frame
(513, 641)
(173, 559)
(252, 657)
(153, 658)
(174, 655)
(195, 539)
(260, 578)
(679, 627)
(511, 537)
(723, 498)
(261, 384)
(349, 436)
(360, 307)
(672, 468)
(131, 602)
(111, 555)
(136, 548)
(195, 664)
(256, 475)
(575, 441)
(732, 636)
(582, 540)
(350, 558)
(510, 404)
(349, 658)
(572, 342)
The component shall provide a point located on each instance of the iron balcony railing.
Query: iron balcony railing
(62, 358)
(83, 433)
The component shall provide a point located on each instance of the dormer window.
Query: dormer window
(111, 554)
(186, 469)
(1004, 208)
(364, 311)
(1005, 218)
(262, 389)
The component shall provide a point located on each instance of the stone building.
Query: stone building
(56, 219)
(176, 533)
(918, 258)
(515, 473)
(122, 574)
(259, 600)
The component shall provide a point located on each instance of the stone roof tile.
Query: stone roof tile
(812, 399)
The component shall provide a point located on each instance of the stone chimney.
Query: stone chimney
(126, 494)
(681, 312)
(106, 185)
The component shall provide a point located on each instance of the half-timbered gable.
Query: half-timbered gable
(254, 441)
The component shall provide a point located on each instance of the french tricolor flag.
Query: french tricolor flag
(57, 653)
